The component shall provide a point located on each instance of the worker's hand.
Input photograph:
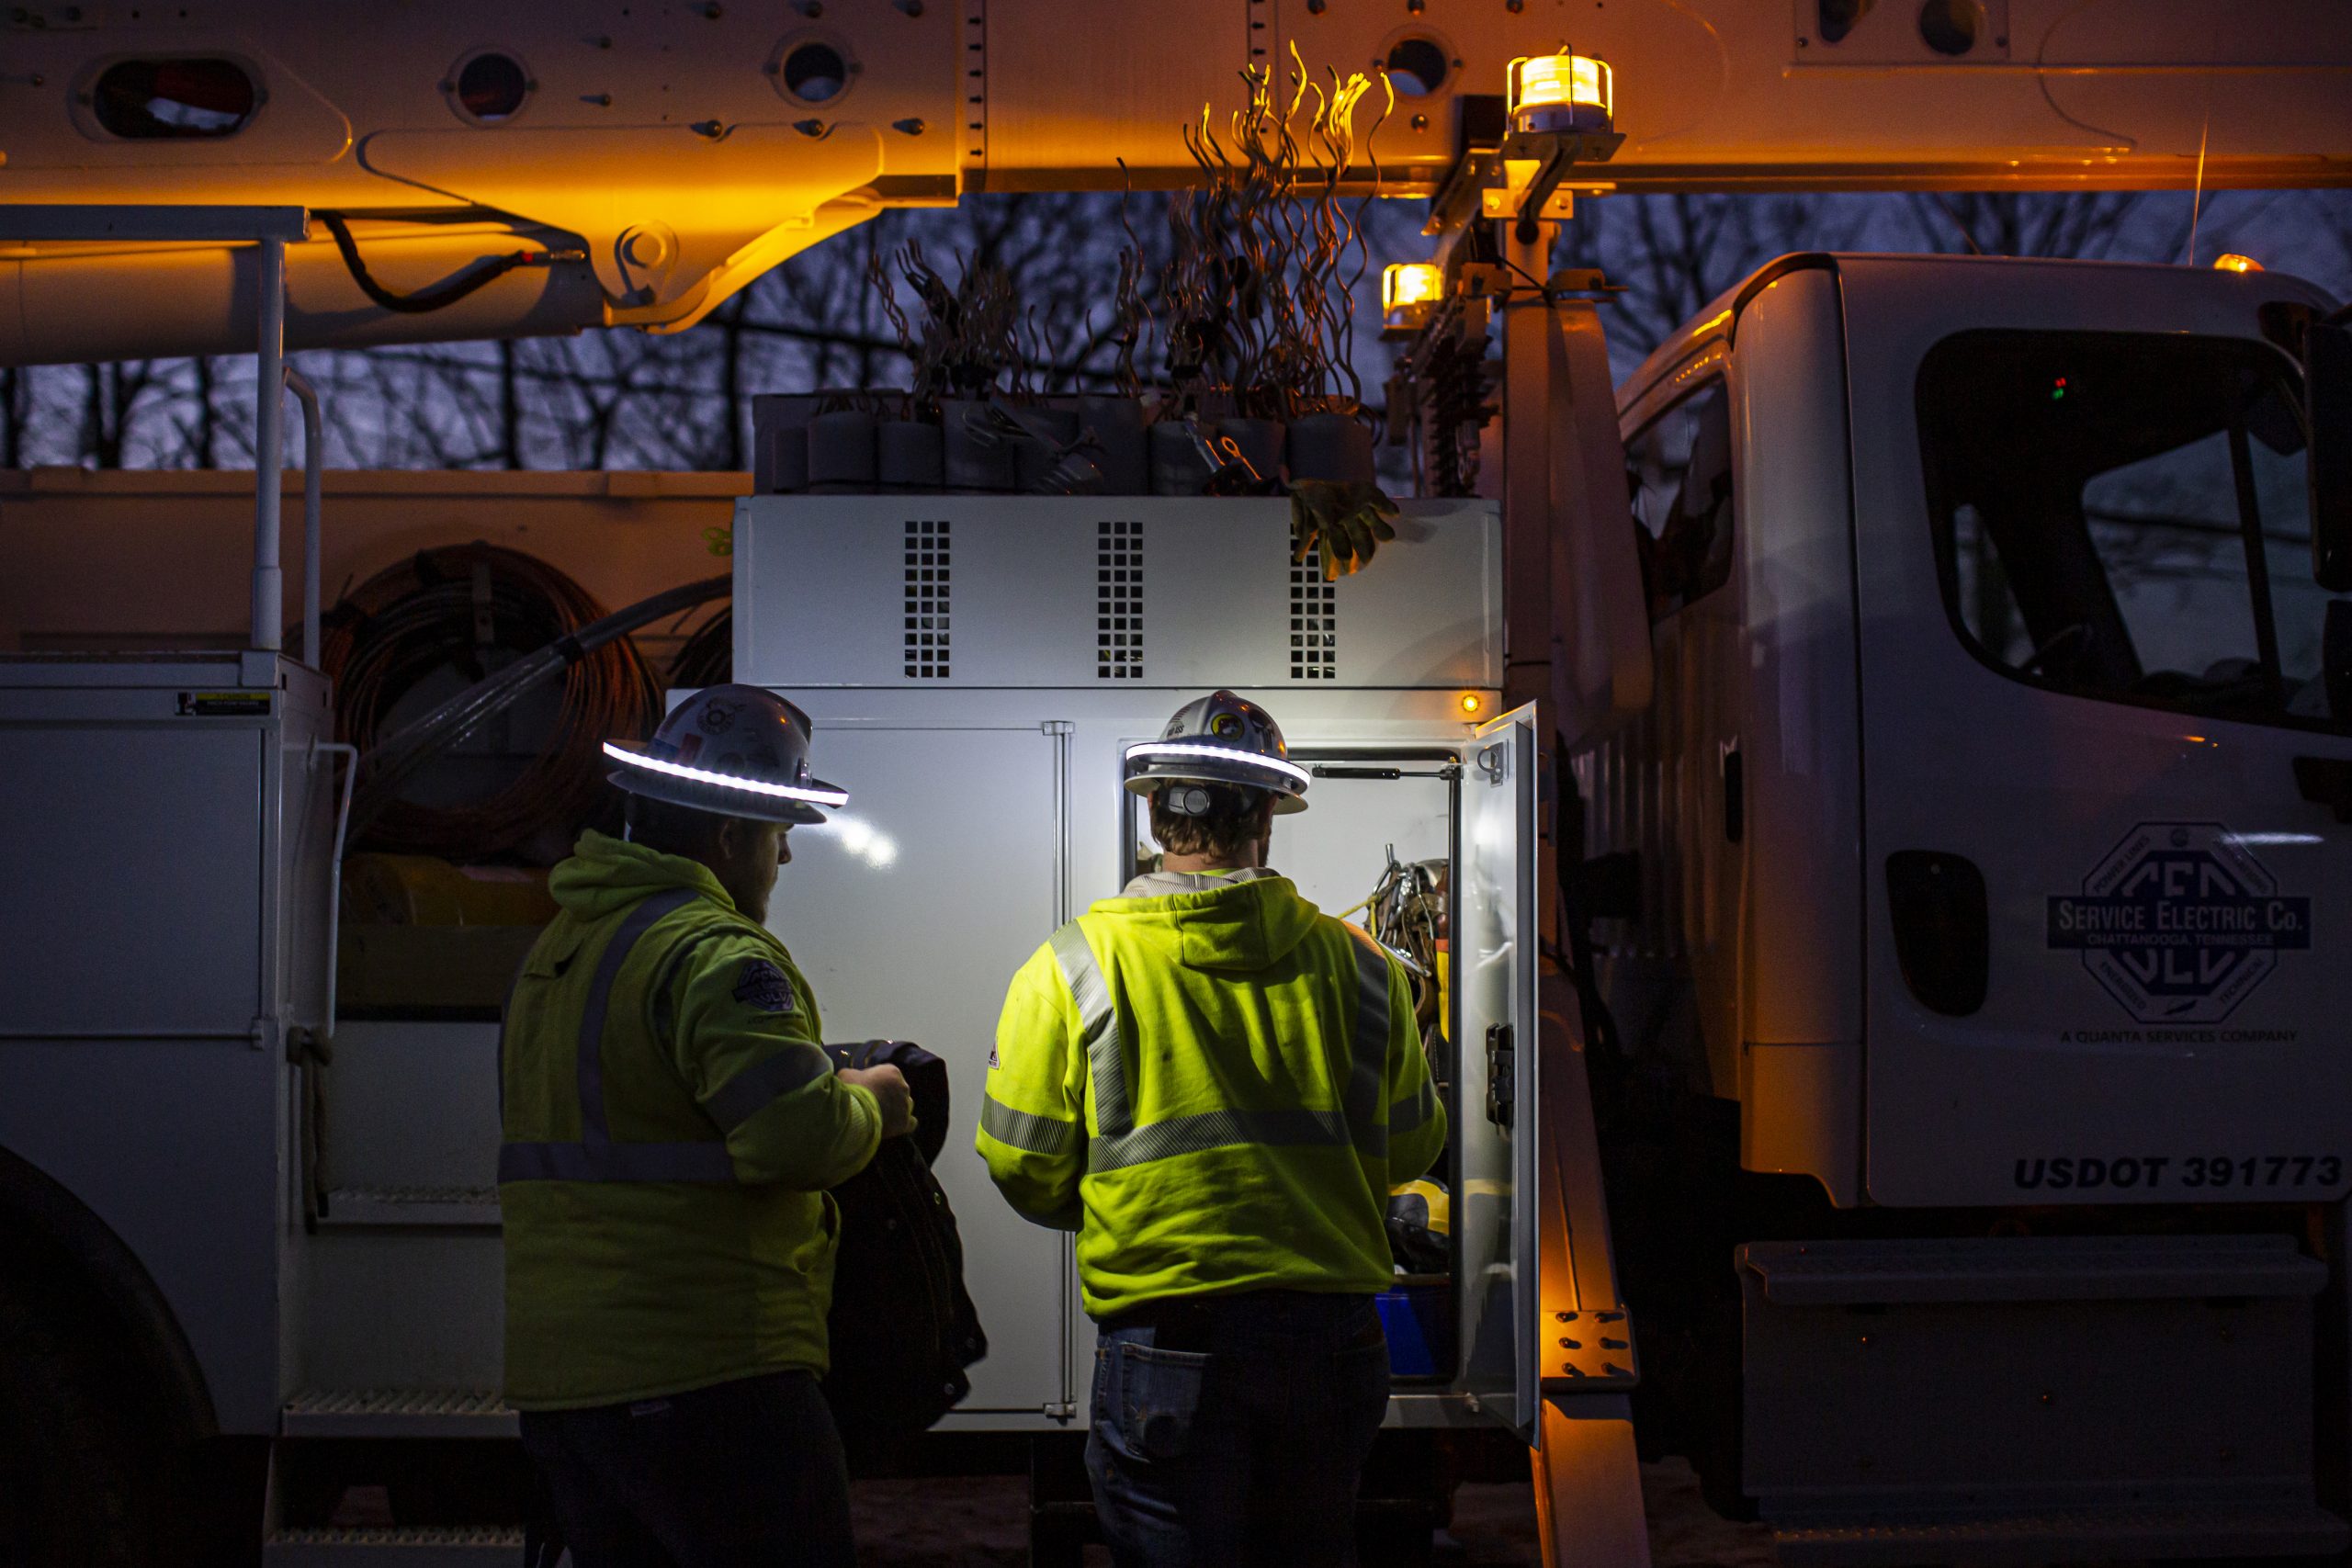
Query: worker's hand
(1350, 521)
(889, 1087)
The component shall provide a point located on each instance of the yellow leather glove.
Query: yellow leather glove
(1350, 521)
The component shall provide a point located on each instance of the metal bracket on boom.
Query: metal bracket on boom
(1553, 154)
(1518, 175)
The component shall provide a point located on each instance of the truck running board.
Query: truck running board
(2280, 1531)
(415, 1548)
(395, 1413)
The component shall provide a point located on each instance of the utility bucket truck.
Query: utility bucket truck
(1867, 795)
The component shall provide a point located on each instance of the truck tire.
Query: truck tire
(69, 1469)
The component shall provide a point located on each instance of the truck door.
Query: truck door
(1494, 968)
(2105, 940)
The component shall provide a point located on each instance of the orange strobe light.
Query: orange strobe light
(1408, 292)
(1561, 92)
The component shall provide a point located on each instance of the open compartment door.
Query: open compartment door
(1549, 1351)
(1495, 964)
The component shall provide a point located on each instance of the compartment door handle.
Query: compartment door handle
(1735, 774)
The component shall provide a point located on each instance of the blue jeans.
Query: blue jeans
(1231, 1430)
(745, 1474)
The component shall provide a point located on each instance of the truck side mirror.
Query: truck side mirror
(2327, 409)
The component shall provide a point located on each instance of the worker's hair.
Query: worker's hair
(1229, 827)
(672, 828)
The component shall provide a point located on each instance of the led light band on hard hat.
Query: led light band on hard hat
(1152, 750)
(727, 781)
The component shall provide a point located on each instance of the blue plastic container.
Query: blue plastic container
(1418, 1320)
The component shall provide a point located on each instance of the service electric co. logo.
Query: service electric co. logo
(2180, 922)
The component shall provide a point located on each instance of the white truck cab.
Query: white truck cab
(1981, 843)
(1987, 645)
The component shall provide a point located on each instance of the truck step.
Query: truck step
(438, 1208)
(409, 1547)
(395, 1413)
(2139, 1531)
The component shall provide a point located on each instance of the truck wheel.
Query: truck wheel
(69, 1492)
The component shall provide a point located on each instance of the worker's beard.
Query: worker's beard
(752, 897)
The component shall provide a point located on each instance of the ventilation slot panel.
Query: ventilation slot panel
(1314, 621)
(926, 598)
(1118, 601)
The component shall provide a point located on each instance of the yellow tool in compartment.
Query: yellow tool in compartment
(422, 890)
(422, 938)
(1445, 987)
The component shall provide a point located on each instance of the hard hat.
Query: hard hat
(1424, 1203)
(1217, 739)
(730, 750)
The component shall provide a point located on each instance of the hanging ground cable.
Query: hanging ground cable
(396, 759)
(707, 658)
(492, 615)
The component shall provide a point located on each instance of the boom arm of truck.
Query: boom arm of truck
(650, 162)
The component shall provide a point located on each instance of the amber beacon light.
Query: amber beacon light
(2236, 263)
(1408, 292)
(1562, 92)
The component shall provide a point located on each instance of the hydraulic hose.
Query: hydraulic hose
(423, 302)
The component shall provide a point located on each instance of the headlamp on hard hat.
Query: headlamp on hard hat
(1219, 741)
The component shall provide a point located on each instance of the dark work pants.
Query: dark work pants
(745, 1474)
(1233, 1429)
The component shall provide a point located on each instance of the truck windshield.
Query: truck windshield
(2122, 515)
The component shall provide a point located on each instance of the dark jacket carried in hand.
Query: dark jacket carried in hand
(903, 1328)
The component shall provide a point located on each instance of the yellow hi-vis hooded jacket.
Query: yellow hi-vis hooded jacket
(1215, 1086)
(671, 1125)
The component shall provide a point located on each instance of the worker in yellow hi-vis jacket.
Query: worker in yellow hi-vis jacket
(671, 1126)
(1215, 1085)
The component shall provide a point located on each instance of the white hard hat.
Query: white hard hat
(733, 752)
(1219, 740)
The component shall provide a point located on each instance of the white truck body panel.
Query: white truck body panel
(165, 933)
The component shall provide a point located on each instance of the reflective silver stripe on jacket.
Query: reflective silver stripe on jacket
(1026, 1131)
(595, 1157)
(1217, 1130)
(1106, 1056)
(615, 1162)
(1119, 1143)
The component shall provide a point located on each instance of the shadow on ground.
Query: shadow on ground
(981, 1521)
